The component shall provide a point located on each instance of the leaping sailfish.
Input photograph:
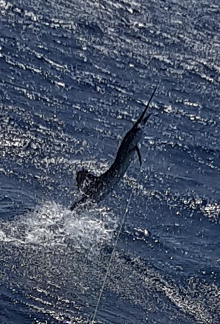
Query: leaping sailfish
(96, 188)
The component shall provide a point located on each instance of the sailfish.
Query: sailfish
(96, 188)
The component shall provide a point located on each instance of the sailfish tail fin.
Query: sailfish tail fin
(140, 119)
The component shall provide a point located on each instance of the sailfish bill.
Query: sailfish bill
(96, 188)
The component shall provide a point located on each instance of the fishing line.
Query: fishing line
(120, 228)
(111, 257)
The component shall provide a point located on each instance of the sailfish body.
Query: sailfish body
(97, 188)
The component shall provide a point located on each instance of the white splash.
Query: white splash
(51, 224)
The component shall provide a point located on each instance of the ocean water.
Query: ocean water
(74, 77)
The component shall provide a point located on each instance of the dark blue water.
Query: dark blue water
(74, 77)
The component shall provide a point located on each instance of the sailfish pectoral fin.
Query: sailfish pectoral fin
(138, 153)
(145, 119)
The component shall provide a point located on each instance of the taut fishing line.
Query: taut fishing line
(112, 255)
(117, 237)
